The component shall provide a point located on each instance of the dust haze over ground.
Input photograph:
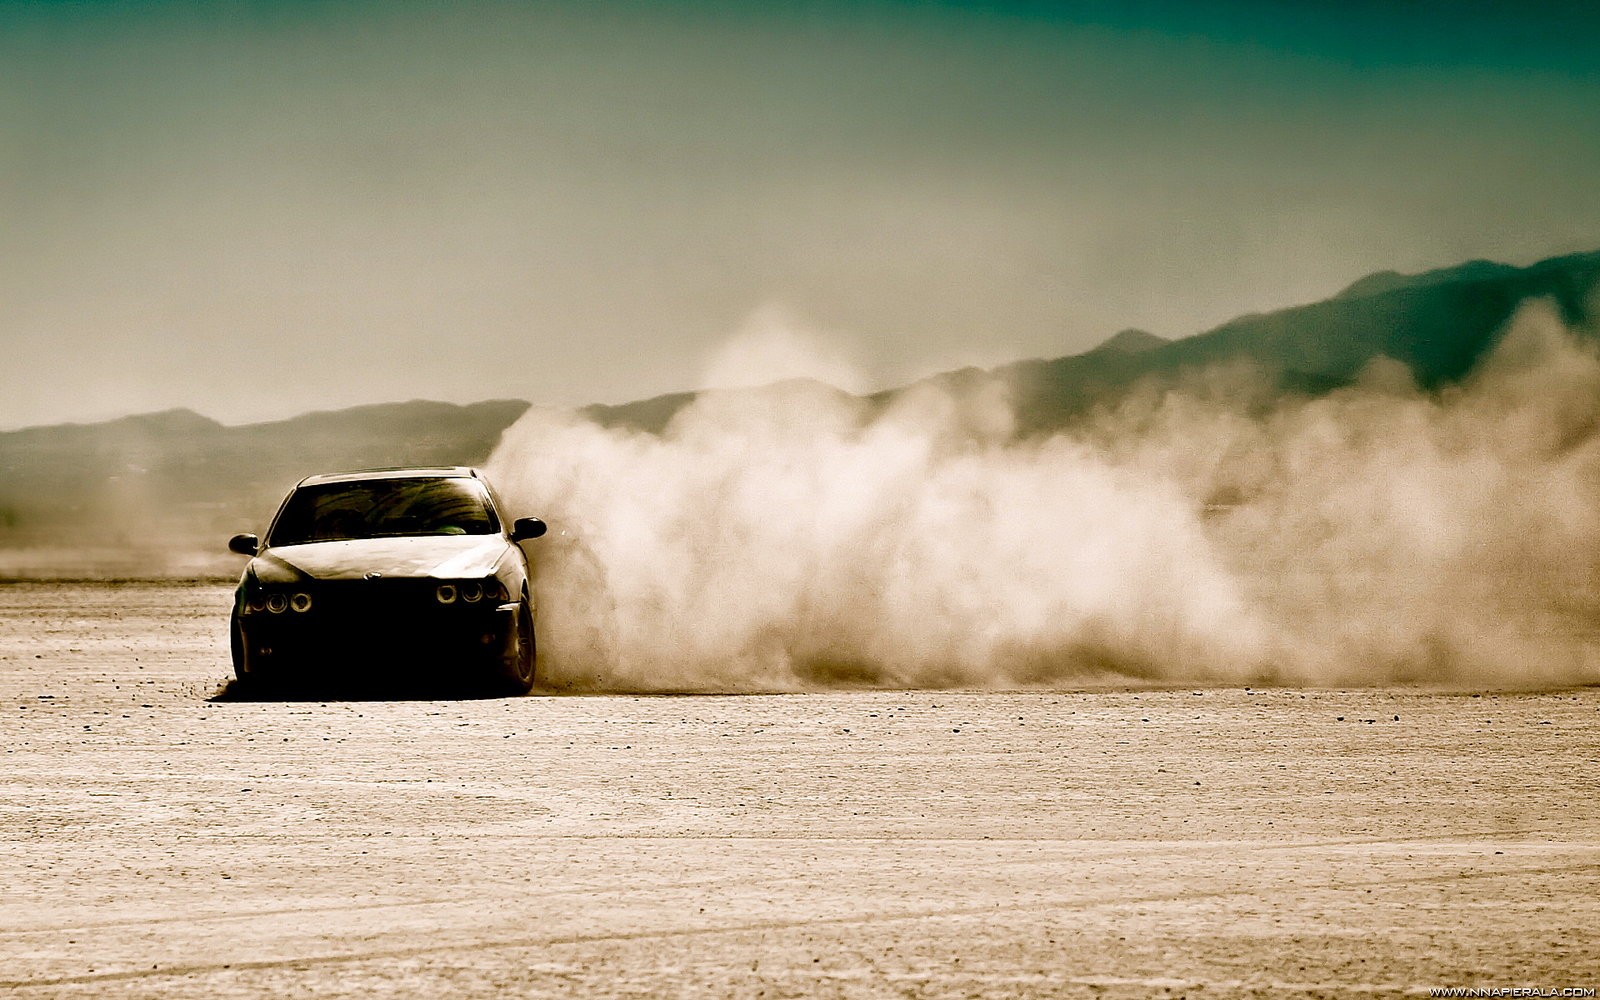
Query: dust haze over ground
(794, 537)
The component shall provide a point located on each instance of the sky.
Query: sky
(257, 209)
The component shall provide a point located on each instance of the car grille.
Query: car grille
(376, 599)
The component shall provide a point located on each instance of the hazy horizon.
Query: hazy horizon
(254, 210)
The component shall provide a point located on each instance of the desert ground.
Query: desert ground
(161, 842)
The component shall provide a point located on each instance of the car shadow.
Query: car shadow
(236, 691)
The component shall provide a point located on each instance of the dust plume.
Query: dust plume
(797, 536)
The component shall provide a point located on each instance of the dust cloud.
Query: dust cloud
(794, 537)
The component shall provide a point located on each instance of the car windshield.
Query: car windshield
(384, 508)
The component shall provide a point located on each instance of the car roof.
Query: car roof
(431, 472)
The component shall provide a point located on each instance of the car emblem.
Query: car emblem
(371, 576)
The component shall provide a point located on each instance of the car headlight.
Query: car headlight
(470, 591)
(260, 599)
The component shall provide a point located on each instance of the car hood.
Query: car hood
(437, 556)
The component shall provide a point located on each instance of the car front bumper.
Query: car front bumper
(352, 636)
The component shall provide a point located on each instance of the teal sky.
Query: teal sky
(257, 209)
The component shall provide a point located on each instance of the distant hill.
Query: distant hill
(140, 485)
(1439, 324)
(1132, 342)
(1389, 281)
(126, 491)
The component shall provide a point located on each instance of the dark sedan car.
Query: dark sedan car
(397, 573)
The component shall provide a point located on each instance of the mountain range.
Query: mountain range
(102, 498)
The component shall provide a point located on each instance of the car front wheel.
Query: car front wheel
(236, 647)
(248, 681)
(517, 663)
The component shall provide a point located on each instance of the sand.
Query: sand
(1202, 843)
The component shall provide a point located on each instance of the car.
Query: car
(387, 575)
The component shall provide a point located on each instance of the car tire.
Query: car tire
(519, 664)
(236, 648)
(245, 682)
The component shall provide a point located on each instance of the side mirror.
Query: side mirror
(245, 545)
(524, 528)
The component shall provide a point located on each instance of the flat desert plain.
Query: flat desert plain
(1111, 843)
